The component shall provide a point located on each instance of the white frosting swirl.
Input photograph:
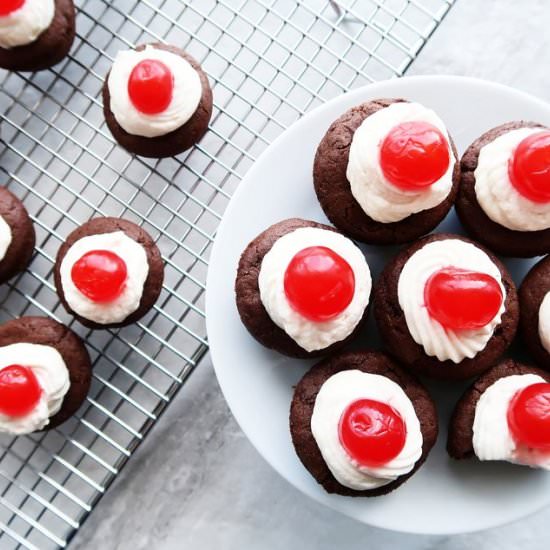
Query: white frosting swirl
(380, 199)
(52, 375)
(492, 438)
(25, 25)
(5, 237)
(127, 302)
(495, 193)
(436, 340)
(339, 391)
(309, 334)
(186, 95)
(544, 322)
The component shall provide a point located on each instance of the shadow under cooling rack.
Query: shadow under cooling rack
(269, 61)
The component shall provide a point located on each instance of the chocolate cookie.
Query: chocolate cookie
(20, 250)
(303, 403)
(251, 309)
(41, 330)
(155, 276)
(500, 239)
(52, 46)
(174, 142)
(399, 342)
(334, 193)
(459, 442)
(532, 292)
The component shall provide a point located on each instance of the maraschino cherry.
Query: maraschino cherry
(372, 432)
(460, 299)
(319, 284)
(100, 275)
(529, 167)
(529, 416)
(151, 86)
(9, 6)
(414, 155)
(19, 390)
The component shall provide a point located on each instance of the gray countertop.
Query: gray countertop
(197, 483)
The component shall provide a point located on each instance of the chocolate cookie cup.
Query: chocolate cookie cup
(252, 311)
(534, 316)
(304, 403)
(47, 332)
(176, 141)
(396, 333)
(460, 442)
(334, 191)
(49, 48)
(19, 230)
(151, 285)
(497, 237)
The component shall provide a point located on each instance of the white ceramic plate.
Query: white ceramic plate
(444, 496)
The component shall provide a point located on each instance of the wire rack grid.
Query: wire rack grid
(269, 61)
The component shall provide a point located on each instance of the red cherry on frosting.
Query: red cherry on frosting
(414, 155)
(529, 167)
(460, 299)
(319, 284)
(9, 6)
(372, 432)
(151, 86)
(19, 390)
(529, 416)
(100, 275)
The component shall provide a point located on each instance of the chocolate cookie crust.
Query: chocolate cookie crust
(20, 251)
(531, 294)
(460, 438)
(155, 276)
(303, 402)
(178, 140)
(398, 341)
(251, 309)
(500, 239)
(334, 192)
(49, 48)
(41, 330)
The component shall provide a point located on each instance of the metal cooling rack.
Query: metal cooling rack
(269, 61)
